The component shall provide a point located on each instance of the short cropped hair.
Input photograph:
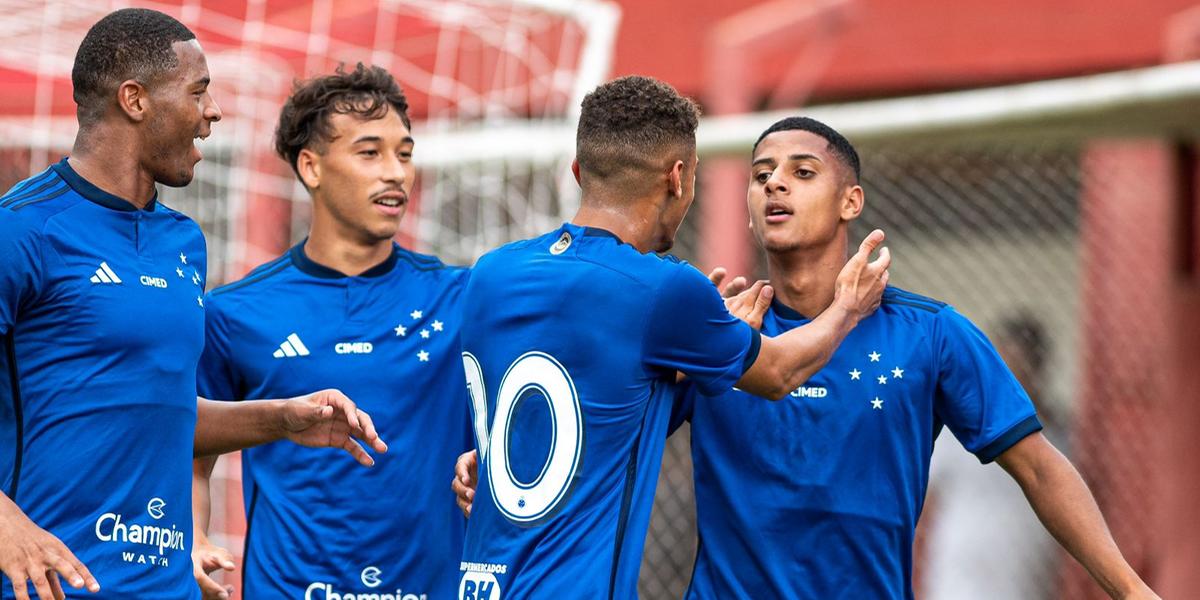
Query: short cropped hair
(365, 92)
(629, 123)
(838, 144)
(131, 43)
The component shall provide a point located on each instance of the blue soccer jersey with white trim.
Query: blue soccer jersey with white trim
(818, 495)
(320, 526)
(102, 318)
(572, 342)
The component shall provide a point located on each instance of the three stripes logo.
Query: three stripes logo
(105, 274)
(290, 347)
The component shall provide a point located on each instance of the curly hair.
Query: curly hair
(365, 92)
(131, 43)
(632, 124)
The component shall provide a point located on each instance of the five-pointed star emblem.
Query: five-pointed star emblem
(882, 380)
(179, 271)
(423, 356)
(437, 325)
(401, 330)
(874, 356)
(898, 373)
(183, 258)
(877, 404)
(855, 374)
(416, 314)
(200, 301)
(424, 334)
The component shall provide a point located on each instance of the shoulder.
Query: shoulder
(254, 283)
(181, 220)
(432, 266)
(915, 308)
(40, 199)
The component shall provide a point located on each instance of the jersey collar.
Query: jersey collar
(786, 312)
(90, 192)
(311, 267)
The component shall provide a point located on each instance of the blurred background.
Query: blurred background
(1034, 163)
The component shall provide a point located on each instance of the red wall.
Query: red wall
(889, 47)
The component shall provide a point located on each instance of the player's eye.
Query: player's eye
(406, 155)
(805, 173)
(369, 153)
(762, 177)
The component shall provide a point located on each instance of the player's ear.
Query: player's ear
(133, 99)
(852, 202)
(308, 166)
(675, 179)
(575, 171)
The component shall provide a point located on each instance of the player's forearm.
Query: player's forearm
(202, 494)
(809, 348)
(229, 426)
(1066, 507)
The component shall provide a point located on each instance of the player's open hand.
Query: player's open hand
(466, 479)
(31, 555)
(728, 290)
(207, 558)
(861, 283)
(328, 419)
(752, 303)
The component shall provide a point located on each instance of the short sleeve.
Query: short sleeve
(978, 398)
(216, 379)
(22, 270)
(689, 330)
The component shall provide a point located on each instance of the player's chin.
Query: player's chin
(177, 177)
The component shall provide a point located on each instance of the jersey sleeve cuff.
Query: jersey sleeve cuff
(1009, 438)
(752, 352)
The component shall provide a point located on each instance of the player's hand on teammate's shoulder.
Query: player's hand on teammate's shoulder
(860, 284)
(328, 419)
(207, 558)
(466, 479)
(743, 300)
(30, 554)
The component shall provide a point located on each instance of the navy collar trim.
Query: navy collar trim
(90, 192)
(786, 312)
(311, 267)
(598, 232)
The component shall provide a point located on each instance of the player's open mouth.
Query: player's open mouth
(777, 212)
(390, 203)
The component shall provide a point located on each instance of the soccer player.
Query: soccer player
(102, 317)
(572, 342)
(840, 466)
(345, 308)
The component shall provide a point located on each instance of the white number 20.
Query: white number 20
(533, 374)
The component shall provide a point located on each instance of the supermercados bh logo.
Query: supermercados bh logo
(479, 581)
(370, 577)
(150, 540)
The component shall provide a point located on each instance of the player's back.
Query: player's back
(571, 343)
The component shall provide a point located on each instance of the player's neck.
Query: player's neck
(343, 253)
(622, 222)
(118, 173)
(804, 279)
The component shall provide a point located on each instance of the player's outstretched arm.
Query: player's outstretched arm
(206, 557)
(30, 554)
(1067, 509)
(324, 419)
(785, 362)
(466, 479)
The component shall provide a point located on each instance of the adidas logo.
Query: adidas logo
(105, 275)
(290, 347)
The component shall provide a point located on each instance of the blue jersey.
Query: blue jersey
(817, 496)
(319, 525)
(572, 342)
(102, 318)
